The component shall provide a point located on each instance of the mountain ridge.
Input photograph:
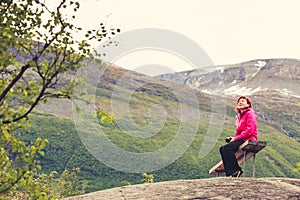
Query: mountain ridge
(268, 82)
(284, 73)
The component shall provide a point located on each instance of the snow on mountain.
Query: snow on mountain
(248, 78)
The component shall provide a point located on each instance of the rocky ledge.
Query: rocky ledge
(209, 188)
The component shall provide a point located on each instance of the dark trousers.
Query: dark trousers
(228, 156)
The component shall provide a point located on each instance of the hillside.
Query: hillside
(273, 85)
(151, 114)
(211, 188)
(66, 151)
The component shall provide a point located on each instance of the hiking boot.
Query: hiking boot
(238, 173)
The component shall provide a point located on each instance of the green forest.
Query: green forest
(66, 151)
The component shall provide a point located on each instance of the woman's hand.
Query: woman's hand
(232, 139)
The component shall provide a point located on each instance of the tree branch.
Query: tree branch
(18, 179)
(30, 109)
(13, 82)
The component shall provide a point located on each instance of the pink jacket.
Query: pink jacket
(246, 127)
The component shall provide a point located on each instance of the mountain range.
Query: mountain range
(273, 84)
(248, 78)
(151, 111)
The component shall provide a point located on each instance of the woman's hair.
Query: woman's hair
(248, 102)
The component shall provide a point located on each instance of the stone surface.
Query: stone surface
(210, 188)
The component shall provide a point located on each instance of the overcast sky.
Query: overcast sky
(230, 31)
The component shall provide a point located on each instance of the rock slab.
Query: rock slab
(209, 188)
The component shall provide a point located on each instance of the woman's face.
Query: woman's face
(242, 104)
